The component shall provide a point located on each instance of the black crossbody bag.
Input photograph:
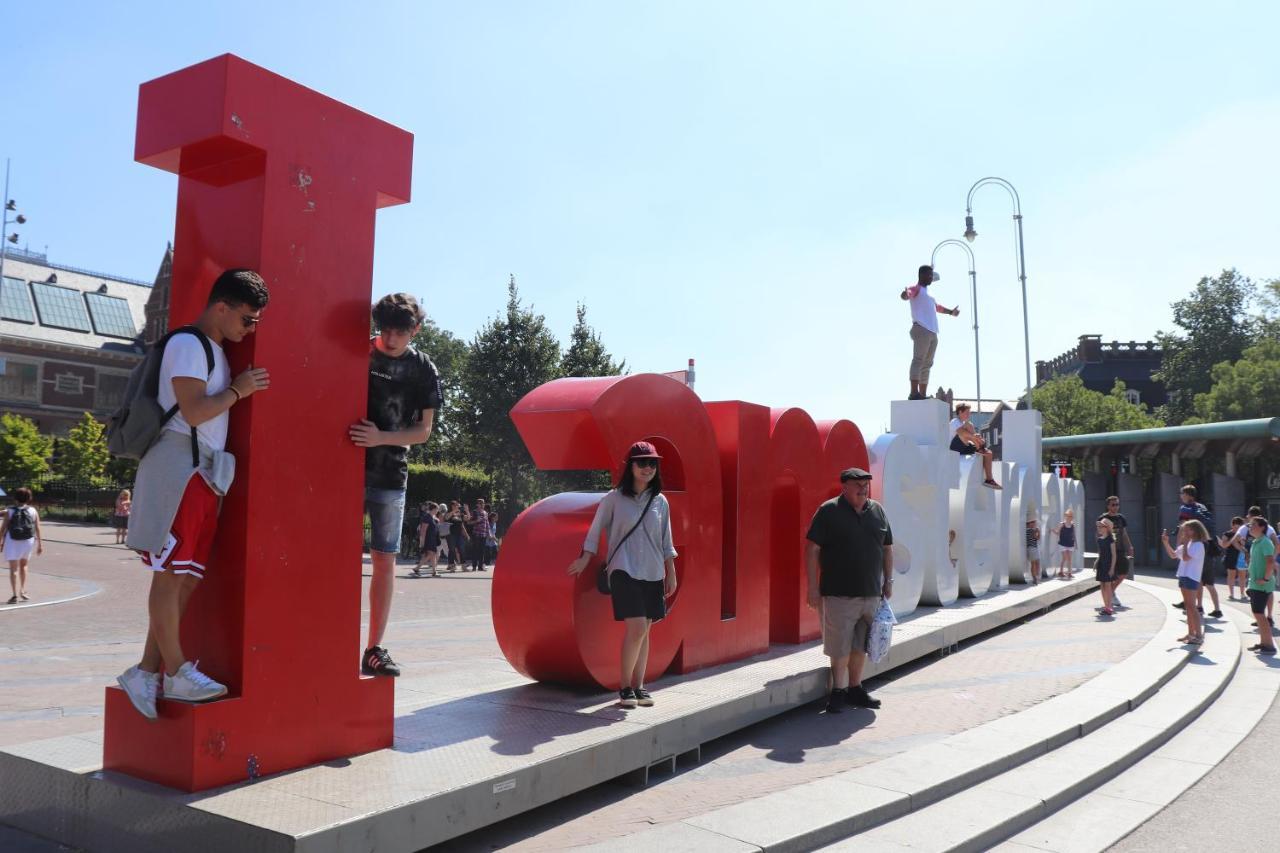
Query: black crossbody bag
(602, 579)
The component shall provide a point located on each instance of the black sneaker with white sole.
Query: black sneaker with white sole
(376, 661)
(643, 699)
(627, 697)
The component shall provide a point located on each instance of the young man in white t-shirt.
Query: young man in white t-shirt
(924, 329)
(203, 399)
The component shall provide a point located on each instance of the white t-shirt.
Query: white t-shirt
(956, 424)
(1191, 560)
(924, 309)
(184, 357)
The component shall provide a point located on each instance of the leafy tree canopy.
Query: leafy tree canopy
(1069, 408)
(24, 452)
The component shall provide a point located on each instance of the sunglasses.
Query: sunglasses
(645, 463)
(249, 321)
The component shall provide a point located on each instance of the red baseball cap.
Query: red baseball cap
(643, 450)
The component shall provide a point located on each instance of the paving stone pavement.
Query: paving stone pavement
(55, 660)
(1000, 674)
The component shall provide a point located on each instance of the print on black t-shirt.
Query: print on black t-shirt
(399, 389)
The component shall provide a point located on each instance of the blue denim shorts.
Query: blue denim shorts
(386, 518)
(1188, 583)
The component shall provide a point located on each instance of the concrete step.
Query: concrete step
(908, 784)
(987, 814)
(1121, 805)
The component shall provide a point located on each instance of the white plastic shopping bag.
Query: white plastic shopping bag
(881, 632)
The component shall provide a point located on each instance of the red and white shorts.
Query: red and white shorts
(186, 551)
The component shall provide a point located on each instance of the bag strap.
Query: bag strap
(208, 359)
(639, 521)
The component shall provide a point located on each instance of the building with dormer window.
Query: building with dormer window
(69, 337)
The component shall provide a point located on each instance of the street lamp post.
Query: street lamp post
(19, 219)
(970, 234)
(973, 305)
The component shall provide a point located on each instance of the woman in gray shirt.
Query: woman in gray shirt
(642, 565)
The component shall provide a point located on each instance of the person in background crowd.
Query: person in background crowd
(457, 518)
(1033, 548)
(641, 567)
(1262, 583)
(428, 540)
(20, 533)
(1244, 540)
(1124, 548)
(124, 501)
(479, 535)
(1066, 533)
(924, 329)
(1190, 555)
(491, 545)
(403, 397)
(1106, 564)
(445, 527)
(1233, 561)
(849, 563)
(1189, 508)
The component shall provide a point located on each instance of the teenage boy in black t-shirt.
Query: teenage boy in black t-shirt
(404, 394)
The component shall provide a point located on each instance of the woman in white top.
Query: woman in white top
(1190, 556)
(641, 564)
(20, 533)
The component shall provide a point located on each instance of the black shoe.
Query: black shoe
(1200, 610)
(836, 701)
(1180, 605)
(643, 699)
(858, 697)
(376, 661)
(1216, 614)
(627, 697)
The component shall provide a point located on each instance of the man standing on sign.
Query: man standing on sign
(404, 393)
(851, 544)
(924, 329)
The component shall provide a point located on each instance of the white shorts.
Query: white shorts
(19, 549)
(1068, 551)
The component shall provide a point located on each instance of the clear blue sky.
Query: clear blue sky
(746, 183)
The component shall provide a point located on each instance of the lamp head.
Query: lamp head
(969, 233)
(13, 238)
(11, 205)
(21, 220)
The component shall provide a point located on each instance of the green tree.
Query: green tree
(83, 455)
(514, 353)
(586, 355)
(24, 452)
(449, 354)
(1069, 408)
(1214, 327)
(1248, 388)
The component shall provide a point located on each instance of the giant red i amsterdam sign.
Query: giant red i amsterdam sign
(279, 178)
(744, 481)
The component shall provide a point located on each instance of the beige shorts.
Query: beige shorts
(846, 623)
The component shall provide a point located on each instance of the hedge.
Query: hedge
(445, 483)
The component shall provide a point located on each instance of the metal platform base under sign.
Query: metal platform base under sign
(468, 754)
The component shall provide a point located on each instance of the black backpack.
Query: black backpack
(139, 421)
(21, 528)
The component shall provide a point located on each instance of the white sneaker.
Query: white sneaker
(141, 689)
(191, 685)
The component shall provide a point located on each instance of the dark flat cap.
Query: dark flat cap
(854, 474)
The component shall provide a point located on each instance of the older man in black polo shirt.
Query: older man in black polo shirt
(851, 542)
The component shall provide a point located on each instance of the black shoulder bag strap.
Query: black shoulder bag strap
(602, 580)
